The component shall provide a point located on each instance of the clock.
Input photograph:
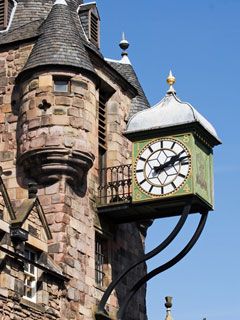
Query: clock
(162, 167)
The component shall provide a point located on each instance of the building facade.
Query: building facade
(63, 108)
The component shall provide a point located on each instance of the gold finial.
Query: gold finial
(171, 80)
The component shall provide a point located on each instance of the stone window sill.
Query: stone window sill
(32, 305)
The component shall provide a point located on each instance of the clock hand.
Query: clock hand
(169, 162)
(182, 158)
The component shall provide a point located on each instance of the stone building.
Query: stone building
(63, 108)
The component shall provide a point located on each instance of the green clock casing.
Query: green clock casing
(170, 167)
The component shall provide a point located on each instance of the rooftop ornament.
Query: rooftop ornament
(124, 45)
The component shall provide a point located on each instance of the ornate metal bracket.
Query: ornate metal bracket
(102, 314)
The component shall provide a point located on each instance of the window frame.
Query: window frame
(61, 79)
(101, 260)
(29, 274)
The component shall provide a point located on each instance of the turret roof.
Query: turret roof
(58, 47)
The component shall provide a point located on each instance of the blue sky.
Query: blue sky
(200, 42)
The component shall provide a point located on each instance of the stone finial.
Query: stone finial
(168, 305)
(171, 80)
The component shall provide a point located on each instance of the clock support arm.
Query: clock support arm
(163, 267)
(101, 312)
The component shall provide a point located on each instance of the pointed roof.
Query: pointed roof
(24, 211)
(125, 68)
(140, 102)
(58, 47)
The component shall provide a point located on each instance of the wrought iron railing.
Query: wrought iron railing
(115, 184)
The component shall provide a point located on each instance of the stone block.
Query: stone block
(3, 81)
(33, 113)
(53, 141)
(38, 142)
(79, 87)
(6, 155)
(34, 123)
(33, 84)
(46, 120)
(60, 120)
(21, 193)
(45, 81)
(6, 108)
(76, 122)
(78, 102)
(62, 101)
(73, 112)
(12, 118)
(70, 293)
(59, 111)
(52, 189)
(69, 142)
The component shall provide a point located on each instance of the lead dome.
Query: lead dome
(169, 112)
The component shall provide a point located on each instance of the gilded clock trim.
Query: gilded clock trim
(181, 146)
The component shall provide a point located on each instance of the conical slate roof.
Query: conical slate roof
(60, 42)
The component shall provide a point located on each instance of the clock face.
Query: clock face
(162, 167)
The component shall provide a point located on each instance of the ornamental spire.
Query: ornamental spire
(171, 80)
(168, 306)
(124, 45)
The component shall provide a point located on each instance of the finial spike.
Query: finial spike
(171, 80)
(124, 45)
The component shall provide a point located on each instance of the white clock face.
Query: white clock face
(162, 167)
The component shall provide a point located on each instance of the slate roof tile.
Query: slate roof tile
(140, 102)
(58, 47)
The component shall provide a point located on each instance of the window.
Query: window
(100, 260)
(90, 21)
(102, 122)
(6, 7)
(61, 85)
(94, 28)
(30, 279)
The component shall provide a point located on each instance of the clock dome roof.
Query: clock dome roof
(169, 112)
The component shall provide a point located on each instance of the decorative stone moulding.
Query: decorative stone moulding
(49, 165)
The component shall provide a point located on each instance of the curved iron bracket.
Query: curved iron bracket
(163, 267)
(101, 312)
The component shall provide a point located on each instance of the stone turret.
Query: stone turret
(57, 109)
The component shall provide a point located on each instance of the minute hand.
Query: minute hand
(171, 161)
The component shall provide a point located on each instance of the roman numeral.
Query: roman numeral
(162, 190)
(150, 189)
(184, 163)
(139, 170)
(143, 159)
(150, 148)
(161, 143)
(173, 145)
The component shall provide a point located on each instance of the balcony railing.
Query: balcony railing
(115, 184)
